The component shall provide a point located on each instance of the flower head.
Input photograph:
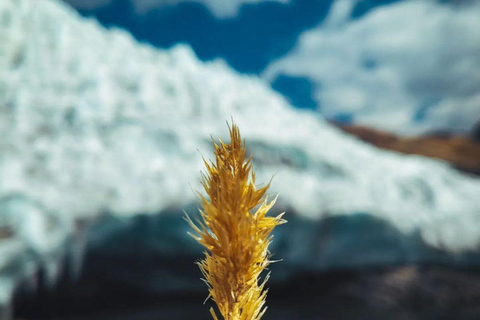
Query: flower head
(234, 228)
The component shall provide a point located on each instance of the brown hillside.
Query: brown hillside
(463, 153)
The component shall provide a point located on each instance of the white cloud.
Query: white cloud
(409, 67)
(88, 4)
(340, 12)
(220, 8)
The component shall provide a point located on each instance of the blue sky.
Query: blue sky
(409, 67)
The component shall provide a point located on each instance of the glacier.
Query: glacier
(94, 123)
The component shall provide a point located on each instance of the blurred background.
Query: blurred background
(366, 111)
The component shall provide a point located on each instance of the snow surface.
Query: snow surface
(92, 121)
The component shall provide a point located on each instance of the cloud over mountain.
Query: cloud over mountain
(407, 67)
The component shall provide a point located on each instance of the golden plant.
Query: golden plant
(235, 230)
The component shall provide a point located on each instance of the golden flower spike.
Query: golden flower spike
(235, 230)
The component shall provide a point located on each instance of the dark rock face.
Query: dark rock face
(341, 267)
(476, 133)
(462, 152)
(396, 293)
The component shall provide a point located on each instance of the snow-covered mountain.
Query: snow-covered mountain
(92, 121)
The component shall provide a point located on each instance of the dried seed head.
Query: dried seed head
(235, 230)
